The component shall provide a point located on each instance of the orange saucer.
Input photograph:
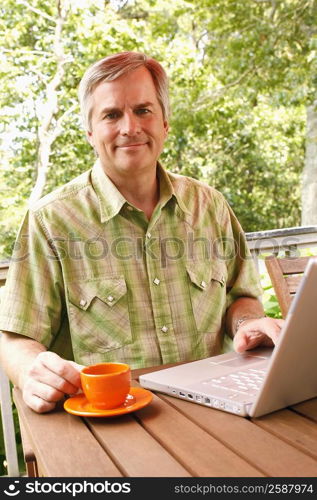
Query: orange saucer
(136, 399)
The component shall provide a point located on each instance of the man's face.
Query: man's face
(127, 126)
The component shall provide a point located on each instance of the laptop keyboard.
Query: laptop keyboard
(246, 382)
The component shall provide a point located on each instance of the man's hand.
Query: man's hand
(257, 332)
(48, 379)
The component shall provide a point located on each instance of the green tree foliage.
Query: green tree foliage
(241, 71)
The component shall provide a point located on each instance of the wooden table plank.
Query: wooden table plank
(194, 448)
(296, 430)
(307, 408)
(131, 446)
(75, 452)
(262, 449)
(29, 457)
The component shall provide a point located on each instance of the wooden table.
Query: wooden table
(171, 438)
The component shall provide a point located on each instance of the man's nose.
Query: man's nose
(130, 124)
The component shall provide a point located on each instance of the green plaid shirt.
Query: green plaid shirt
(91, 275)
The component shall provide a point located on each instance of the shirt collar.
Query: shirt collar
(111, 200)
(167, 190)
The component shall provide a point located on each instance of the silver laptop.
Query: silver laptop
(259, 381)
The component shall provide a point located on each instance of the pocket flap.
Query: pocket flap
(202, 273)
(109, 290)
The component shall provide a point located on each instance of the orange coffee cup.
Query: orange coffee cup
(106, 385)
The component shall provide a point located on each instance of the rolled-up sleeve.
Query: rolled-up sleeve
(243, 278)
(32, 300)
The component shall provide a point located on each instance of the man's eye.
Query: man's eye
(142, 111)
(111, 116)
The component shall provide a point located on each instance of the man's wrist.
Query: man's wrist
(242, 319)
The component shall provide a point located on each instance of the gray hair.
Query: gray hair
(112, 67)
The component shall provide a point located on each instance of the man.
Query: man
(128, 262)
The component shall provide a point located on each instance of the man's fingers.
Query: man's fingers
(42, 390)
(77, 366)
(38, 404)
(244, 341)
(257, 332)
(64, 369)
(280, 322)
(48, 380)
(247, 340)
(239, 342)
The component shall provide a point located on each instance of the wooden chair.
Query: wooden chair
(4, 268)
(286, 274)
(8, 421)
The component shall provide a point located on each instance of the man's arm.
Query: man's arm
(43, 376)
(247, 324)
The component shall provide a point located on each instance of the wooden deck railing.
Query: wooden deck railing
(278, 241)
(6, 406)
(282, 242)
(4, 267)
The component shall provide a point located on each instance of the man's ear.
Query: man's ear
(166, 127)
(91, 141)
(89, 138)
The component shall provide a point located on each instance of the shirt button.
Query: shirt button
(203, 284)
(109, 298)
(164, 329)
(83, 302)
(148, 235)
(156, 281)
(130, 208)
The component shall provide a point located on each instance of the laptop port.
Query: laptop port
(190, 396)
(182, 394)
(207, 401)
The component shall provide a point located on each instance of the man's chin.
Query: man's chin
(127, 168)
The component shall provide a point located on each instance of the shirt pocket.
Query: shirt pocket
(99, 314)
(207, 284)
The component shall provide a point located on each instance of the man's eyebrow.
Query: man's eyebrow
(107, 110)
(145, 104)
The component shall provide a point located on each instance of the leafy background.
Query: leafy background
(242, 73)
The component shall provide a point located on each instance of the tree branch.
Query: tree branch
(47, 133)
(37, 11)
(218, 92)
(21, 51)
(58, 127)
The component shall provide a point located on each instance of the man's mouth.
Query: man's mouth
(132, 145)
